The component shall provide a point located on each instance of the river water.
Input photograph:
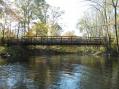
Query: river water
(60, 72)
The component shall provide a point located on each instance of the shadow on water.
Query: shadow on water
(60, 72)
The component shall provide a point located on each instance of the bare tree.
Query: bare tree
(115, 3)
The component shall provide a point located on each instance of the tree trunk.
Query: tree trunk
(18, 30)
(116, 32)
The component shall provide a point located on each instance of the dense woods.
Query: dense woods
(101, 21)
(28, 17)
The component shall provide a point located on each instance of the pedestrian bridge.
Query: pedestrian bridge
(54, 40)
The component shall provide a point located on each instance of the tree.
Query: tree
(29, 10)
(27, 16)
(69, 33)
(39, 29)
(115, 3)
(54, 30)
(89, 26)
(54, 15)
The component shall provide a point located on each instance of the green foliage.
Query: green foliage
(39, 29)
(2, 49)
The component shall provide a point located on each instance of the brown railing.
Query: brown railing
(55, 40)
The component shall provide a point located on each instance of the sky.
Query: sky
(73, 11)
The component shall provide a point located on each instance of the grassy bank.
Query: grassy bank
(23, 52)
(54, 50)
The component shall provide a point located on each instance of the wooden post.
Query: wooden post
(47, 40)
(61, 39)
(71, 42)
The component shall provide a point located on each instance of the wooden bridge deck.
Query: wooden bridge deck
(54, 40)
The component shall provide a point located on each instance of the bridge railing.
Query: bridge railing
(64, 39)
(56, 40)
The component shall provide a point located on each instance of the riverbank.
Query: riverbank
(63, 50)
(21, 52)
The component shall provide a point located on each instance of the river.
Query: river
(60, 72)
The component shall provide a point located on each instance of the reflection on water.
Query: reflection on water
(60, 72)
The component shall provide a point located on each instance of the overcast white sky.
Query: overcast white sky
(74, 10)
